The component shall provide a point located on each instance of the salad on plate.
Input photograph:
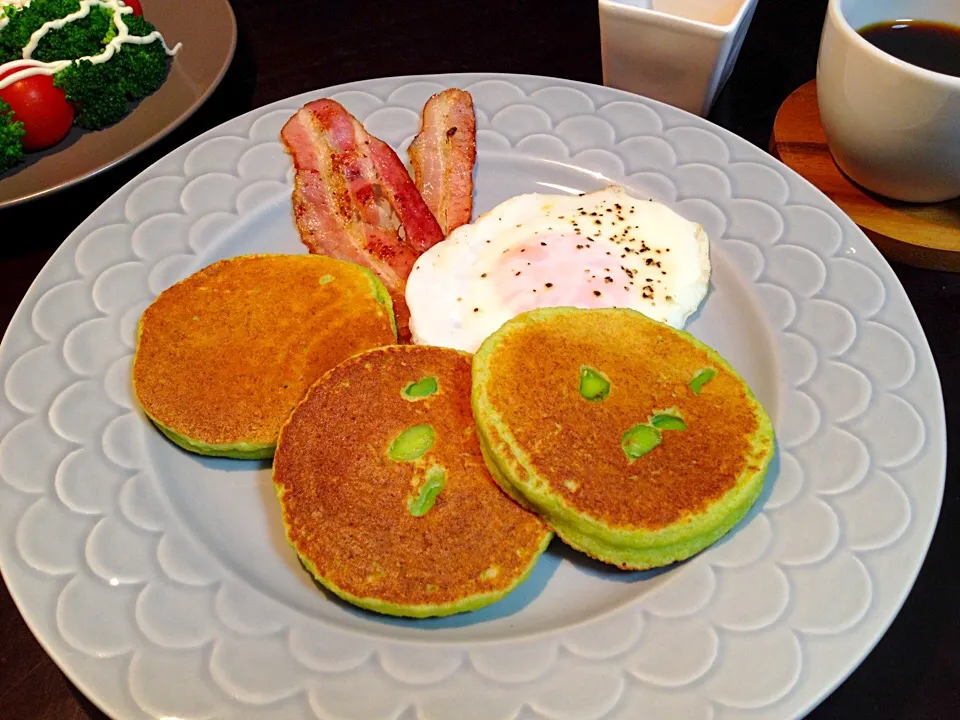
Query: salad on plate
(72, 62)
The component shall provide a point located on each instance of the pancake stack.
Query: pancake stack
(224, 355)
(386, 498)
(637, 444)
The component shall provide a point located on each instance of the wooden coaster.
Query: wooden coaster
(920, 235)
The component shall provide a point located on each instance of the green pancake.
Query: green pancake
(224, 355)
(385, 495)
(636, 443)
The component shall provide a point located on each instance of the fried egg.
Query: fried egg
(600, 249)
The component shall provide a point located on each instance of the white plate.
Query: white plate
(161, 582)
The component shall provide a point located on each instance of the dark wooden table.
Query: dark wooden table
(292, 46)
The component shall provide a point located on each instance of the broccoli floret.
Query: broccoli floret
(101, 93)
(81, 38)
(11, 138)
(96, 95)
(140, 69)
(24, 22)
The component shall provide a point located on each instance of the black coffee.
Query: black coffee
(931, 45)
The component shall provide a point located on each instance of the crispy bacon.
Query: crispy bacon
(443, 155)
(354, 200)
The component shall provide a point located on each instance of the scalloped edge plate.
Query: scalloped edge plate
(146, 621)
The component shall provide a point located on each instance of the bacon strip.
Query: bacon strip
(443, 155)
(354, 200)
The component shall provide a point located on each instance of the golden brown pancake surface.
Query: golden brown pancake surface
(224, 355)
(574, 445)
(346, 502)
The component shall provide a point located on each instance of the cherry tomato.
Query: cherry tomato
(42, 108)
(135, 5)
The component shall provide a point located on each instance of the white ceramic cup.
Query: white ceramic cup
(680, 52)
(892, 127)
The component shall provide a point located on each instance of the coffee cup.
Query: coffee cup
(892, 127)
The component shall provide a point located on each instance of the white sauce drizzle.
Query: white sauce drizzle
(30, 67)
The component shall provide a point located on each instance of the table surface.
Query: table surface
(293, 46)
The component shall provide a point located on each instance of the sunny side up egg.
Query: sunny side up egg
(600, 249)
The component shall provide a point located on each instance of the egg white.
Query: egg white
(600, 249)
